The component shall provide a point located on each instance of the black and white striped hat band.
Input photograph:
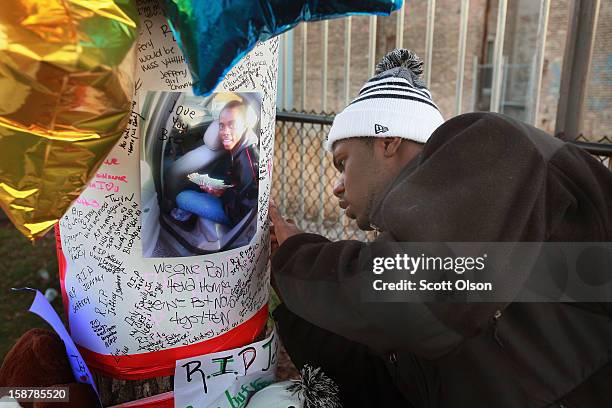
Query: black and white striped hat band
(395, 89)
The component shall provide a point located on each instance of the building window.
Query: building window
(487, 69)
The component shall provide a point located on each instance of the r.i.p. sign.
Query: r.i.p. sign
(226, 379)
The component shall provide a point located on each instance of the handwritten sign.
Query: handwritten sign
(122, 303)
(42, 308)
(225, 379)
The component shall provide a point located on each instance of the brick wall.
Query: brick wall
(519, 45)
(598, 98)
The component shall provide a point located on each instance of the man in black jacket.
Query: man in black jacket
(241, 167)
(479, 177)
(237, 169)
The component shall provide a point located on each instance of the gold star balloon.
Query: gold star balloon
(66, 69)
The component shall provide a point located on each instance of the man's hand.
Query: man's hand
(281, 229)
(217, 192)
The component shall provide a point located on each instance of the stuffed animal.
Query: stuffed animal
(313, 390)
(39, 359)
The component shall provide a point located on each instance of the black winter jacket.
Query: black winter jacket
(240, 168)
(481, 177)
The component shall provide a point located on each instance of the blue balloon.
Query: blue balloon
(214, 35)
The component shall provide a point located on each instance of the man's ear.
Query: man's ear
(390, 145)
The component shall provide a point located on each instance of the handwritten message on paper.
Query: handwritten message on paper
(43, 308)
(121, 303)
(225, 379)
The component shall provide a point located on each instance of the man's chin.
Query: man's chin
(362, 222)
(364, 225)
(350, 214)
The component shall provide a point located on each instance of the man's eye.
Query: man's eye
(341, 165)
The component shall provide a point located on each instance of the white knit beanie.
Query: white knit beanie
(394, 103)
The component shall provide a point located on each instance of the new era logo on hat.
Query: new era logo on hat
(380, 128)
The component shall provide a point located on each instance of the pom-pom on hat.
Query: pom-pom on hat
(394, 103)
(313, 390)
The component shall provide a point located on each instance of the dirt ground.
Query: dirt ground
(285, 370)
(23, 264)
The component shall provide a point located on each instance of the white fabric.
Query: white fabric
(410, 119)
(275, 396)
(211, 136)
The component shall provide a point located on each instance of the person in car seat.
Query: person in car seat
(238, 169)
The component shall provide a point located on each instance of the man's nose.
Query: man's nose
(339, 187)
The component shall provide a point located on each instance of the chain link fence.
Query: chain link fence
(601, 150)
(304, 175)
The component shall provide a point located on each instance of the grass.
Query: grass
(20, 262)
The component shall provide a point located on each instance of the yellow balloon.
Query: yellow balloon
(66, 71)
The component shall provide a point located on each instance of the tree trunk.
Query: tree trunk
(113, 391)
